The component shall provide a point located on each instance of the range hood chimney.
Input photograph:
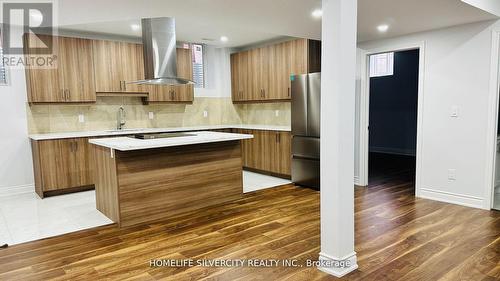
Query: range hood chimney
(160, 52)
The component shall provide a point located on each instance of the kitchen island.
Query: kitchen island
(143, 180)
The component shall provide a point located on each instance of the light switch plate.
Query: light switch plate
(454, 111)
(205, 113)
(452, 174)
(81, 118)
(276, 113)
(151, 115)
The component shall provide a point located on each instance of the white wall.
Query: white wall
(16, 172)
(457, 71)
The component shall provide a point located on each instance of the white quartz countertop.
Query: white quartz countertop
(85, 134)
(128, 143)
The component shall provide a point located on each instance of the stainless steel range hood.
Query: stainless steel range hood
(160, 54)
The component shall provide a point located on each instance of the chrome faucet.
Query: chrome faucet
(120, 122)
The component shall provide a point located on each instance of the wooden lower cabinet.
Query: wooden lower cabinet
(268, 151)
(66, 165)
(61, 164)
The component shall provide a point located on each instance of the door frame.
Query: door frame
(491, 140)
(364, 108)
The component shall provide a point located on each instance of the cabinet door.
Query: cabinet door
(236, 93)
(81, 167)
(184, 93)
(160, 93)
(185, 63)
(132, 65)
(284, 153)
(298, 56)
(243, 78)
(279, 72)
(254, 89)
(43, 83)
(77, 73)
(107, 66)
(49, 153)
(265, 57)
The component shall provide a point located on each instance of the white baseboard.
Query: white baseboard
(16, 190)
(338, 271)
(454, 198)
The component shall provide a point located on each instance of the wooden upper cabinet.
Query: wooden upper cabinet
(178, 93)
(236, 92)
(298, 56)
(279, 72)
(43, 85)
(132, 67)
(263, 74)
(116, 64)
(252, 69)
(107, 63)
(239, 76)
(76, 65)
(72, 80)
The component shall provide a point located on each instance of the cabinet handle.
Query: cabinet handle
(124, 86)
(66, 94)
(63, 96)
(289, 91)
(76, 146)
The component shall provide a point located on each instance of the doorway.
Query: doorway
(493, 189)
(392, 110)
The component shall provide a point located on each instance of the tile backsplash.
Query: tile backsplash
(102, 115)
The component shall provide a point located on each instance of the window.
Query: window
(198, 66)
(3, 69)
(382, 65)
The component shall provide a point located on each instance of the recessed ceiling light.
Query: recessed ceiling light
(135, 27)
(223, 39)
(382, 28)
(318, 13)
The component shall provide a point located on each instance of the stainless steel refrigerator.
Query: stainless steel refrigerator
(306, 104)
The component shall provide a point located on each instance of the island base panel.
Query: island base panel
(155, 184)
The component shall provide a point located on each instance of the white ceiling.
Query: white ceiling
(246, 22)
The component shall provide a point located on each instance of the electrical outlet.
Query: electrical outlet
(151, 115)
(452, 174)
(276, 113)
(205, 113)
(81, 118)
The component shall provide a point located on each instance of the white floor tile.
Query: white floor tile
(254, 181)
(26, 217)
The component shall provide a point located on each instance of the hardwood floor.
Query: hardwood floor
(398, 237)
